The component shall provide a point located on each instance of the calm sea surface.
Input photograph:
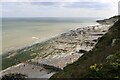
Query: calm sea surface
(17, 32)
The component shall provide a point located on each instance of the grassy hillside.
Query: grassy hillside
(108, 21)
(108, 69)
(107, 45)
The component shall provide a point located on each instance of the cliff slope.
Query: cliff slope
(108, 45)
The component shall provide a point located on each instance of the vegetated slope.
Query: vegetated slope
(107, 45)
(108, 21)
(108, 69)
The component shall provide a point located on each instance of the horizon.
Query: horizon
(50, 17)
(54, 17)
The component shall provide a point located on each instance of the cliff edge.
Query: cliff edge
(102, 60)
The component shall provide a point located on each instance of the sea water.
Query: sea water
(17, 32)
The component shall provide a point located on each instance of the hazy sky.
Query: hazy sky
(58, 8)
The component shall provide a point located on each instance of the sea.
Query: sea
(20, 32)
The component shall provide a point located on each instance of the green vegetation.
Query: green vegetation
(21, 55)
(109, 69)
(97, 63)
(7, 62)
(14, 76)
(94, 63)
(108, 21)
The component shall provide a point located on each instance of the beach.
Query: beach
(21, 32)
(59, 39)
(58, 51)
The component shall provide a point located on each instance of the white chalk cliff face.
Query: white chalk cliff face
(61, 50)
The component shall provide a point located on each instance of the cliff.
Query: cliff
(111, 20)
(96, 60)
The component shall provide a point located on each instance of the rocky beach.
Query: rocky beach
(42, 60)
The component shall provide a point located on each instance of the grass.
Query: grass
(21, 55)
(109, 69)
(7, 62)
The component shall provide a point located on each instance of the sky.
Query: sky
(58, 8)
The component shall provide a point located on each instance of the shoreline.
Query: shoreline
(28, 45)
(70, 43)
(41, 41)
